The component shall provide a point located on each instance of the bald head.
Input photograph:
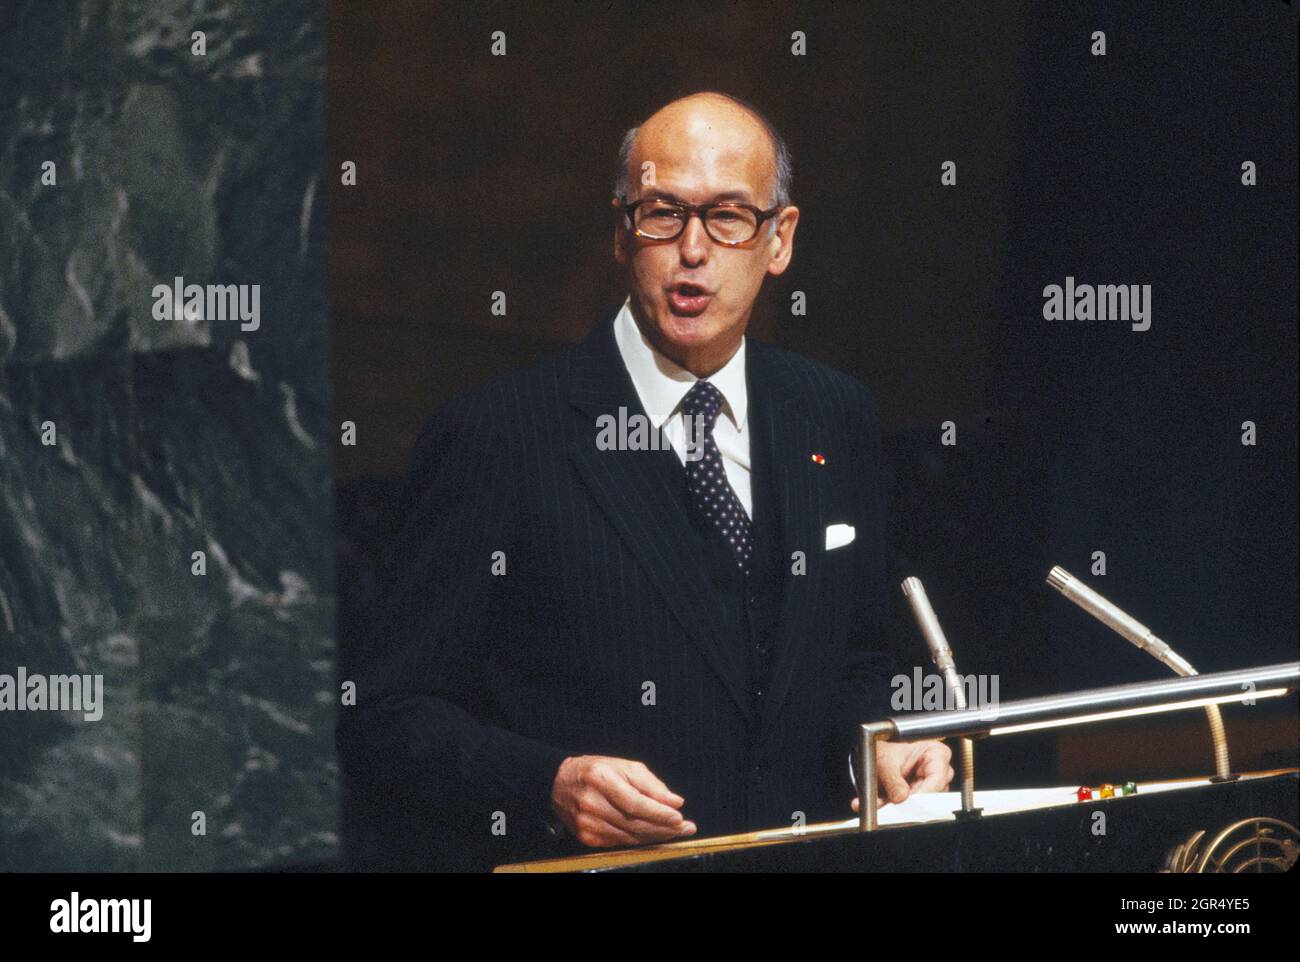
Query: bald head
(715, 122)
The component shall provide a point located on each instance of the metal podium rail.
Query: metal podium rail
(1072, 708)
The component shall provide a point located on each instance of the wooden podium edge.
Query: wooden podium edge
(744, 840)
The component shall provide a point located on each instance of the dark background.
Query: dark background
(479, 173)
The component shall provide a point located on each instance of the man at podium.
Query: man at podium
(638, 589)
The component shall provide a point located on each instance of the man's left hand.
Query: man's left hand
(906, 767)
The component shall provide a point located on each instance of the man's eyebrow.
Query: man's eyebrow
(728, 195)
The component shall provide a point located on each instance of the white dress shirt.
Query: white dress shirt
(661, 384)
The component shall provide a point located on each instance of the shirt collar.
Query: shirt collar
(661, 383)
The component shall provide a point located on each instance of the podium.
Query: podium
(1245, 825)
(1243, 822)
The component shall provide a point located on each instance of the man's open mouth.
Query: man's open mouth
(688, 299)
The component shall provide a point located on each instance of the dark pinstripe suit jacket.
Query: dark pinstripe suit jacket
(479, 683)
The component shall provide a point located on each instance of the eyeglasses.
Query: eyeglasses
(728, 224)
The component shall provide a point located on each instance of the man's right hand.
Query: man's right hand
(606, 802)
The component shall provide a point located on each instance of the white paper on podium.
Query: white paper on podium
(940, 806)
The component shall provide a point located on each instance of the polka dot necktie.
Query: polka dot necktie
(706, 478)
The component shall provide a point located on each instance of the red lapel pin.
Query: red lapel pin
(818, 459)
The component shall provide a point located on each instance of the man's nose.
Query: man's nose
(694, 240)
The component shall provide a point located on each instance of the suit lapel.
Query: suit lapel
(798, 488)
(633, 489)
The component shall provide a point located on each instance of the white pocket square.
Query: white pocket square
(838, 535)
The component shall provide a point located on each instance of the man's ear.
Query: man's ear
(781, 244)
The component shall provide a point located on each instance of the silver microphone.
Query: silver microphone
(941, 655)
(1121, 622)
(1128, 627)
(928, 622)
